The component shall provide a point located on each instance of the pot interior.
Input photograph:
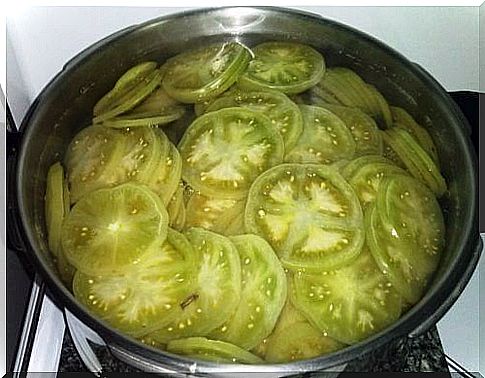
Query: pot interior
(65, 106)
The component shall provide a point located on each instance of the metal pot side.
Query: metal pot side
(65, 106)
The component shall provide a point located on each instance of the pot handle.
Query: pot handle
(13, 229)
(448, 299)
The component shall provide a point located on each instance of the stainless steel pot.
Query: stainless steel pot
(65, 106)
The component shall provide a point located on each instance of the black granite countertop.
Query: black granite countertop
(421, 354)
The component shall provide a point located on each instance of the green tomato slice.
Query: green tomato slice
(141, 154)
(263, 294)
(145, 295)
(91, 157)
(301, 342)
(179, 223)
(212, 350)
(363, 128)
(205, 72)
(57, 207)
(366, 173)
(55, 203)
(416, 160)
(349, 304)
(201, 107)
(65, 269)
(166, 175)
(346, 87)
(284, 66)
(335, 85)
(129, 99)
(319, 93)
(339, 165)
(383, 111)
(389, 152)
(148, 340)
(403, 119)
(283, 113)
(325, 138)
(294, 338)
(410, 208)
(157, 109)
(176, 209)
(217, 289)
(125, 83)
(109, 229)
(289, 316)
(354, 90)
(406, 234)
(211, 213)
(224, 151)
(308, 213)
(101, 157)
(236, 227)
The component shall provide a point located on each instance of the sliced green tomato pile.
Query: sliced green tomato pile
(146, 295)
(416, 160)
(205, 72)
(212, 350)
(109, 229)
(343, 86)
(90, 158)
(366, 173)
(325, 138)
(283, 113)
(319, 92)
(65, 269)
(363, 128)
(405, 233)
(383, 112)
(129, 96)
(57, 208)
(403, 119)
(140, 156)
(284, 66)
(217, 289)
(55, 203)
(276, 257)
(300, 342)
(348, 304)
(224, 151)
(125, 83)
(167, 173)
(215, 214)
(201, 107)
(388, 152)
(263, 294)
(308, 213)
(157, 109)
(294, 338)
(100, 157)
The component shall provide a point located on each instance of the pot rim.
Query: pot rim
(435, 303)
